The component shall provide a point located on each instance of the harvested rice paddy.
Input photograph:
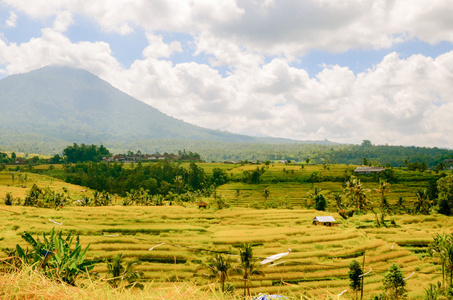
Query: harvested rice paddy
(318, 260)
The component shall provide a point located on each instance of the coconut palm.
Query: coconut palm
(422, 204)
(220, 268)
(439, 248)
(356, 193)
(248, 266)
(383, 189)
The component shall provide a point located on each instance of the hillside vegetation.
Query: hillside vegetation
(57, 105)
(318, 263)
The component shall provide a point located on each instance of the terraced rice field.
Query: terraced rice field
(318, 261)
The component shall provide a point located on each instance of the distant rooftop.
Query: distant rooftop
(367, 170)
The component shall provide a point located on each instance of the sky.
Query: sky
(346, 71)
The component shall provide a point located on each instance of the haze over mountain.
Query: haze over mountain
(73, 105)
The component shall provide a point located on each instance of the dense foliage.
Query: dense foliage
(161, 177)
(411, 157)
(299, 152)
(83, 153)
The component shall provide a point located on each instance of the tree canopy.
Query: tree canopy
(84, 153)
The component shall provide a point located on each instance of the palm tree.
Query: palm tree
(383, 189)
(355, 191)
(248, 266)
(439, 248)
(338, 199)
(220, 268)
(422, 203)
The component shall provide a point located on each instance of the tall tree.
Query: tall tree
(354, 273)
(248, 266)
(445, 188)
(394, 282)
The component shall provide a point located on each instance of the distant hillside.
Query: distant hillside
(66, 105)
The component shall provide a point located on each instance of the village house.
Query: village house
(368, 170)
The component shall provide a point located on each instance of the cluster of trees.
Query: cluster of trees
(38, 197)
(221, 267)
(394, 285)
(299, 152)
(82, 153)
(25, 160)
(93, 153)
(316, 152)
(386, 155)
(253, 176)
(89, 153)
(355, 197)
(159, 178)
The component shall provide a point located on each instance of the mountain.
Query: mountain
(44, 110)
(74, 105)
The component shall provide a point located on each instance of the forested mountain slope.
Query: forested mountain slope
(73, 105)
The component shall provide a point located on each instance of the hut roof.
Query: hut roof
(324, 219)
(369, 169)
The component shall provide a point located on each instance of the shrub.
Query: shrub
(9, 199)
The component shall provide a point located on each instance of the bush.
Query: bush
(8, 199)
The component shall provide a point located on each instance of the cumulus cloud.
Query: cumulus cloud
(53, 47)
(291, 27)
(401, 100)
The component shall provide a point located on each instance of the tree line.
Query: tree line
(161, 177)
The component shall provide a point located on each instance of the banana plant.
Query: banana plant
(56, 257)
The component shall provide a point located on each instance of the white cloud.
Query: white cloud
(158, 49)
(62, 21)
(55, 48)
(399, 101)
(11, 21)
(290, 27)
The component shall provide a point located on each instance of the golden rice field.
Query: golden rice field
(319, 257)
(318, 260)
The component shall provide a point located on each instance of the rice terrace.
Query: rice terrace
(165, 245)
